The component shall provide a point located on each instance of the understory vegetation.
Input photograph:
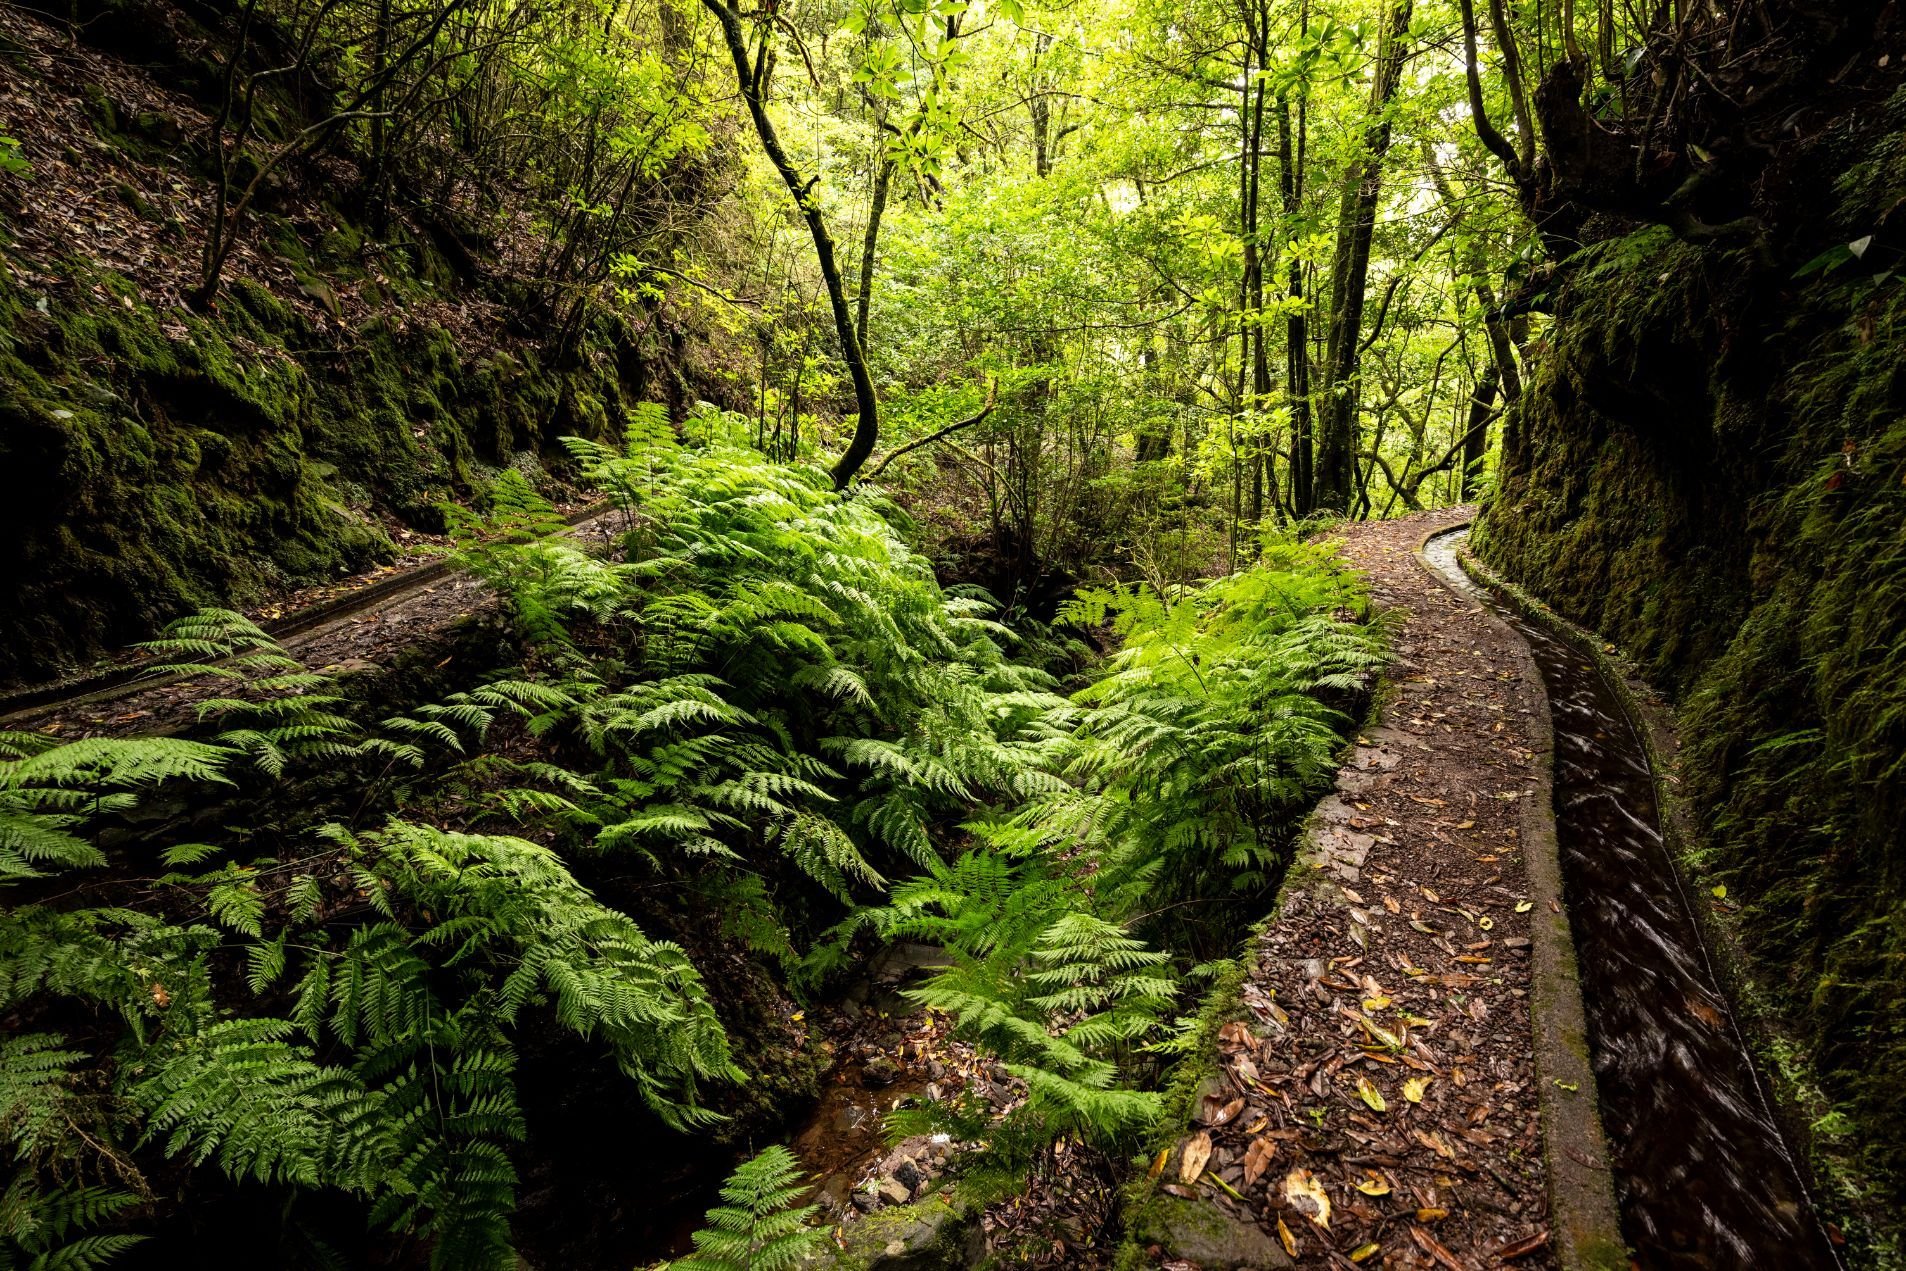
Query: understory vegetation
(761, 703)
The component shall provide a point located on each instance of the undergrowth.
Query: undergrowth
(761, 703)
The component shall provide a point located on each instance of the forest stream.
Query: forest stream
(1704, 1176)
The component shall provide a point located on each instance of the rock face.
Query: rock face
(1705, 468)
(1199, 1232)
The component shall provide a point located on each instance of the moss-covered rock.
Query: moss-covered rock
(153, 461)
(940, 1232)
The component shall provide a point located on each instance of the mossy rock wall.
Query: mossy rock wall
(153, 461)
(1709, 468)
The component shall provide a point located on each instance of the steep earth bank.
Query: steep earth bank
(157, 455)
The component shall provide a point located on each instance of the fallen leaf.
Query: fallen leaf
(1524, 906)
(1413, 1088)
(1435, 1249)
(1228, 1113)
(1375, 1003)
(1431, 1215)
(1158, 1162)
(1363, 1253)
(1305, 1194)
(1434, 1142)
(1373, 1184)
(1371, 1095)
(1257, 1159)
(1197, 1154)
(1285, 1238)
(1523, 1248)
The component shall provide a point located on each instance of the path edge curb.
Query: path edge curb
(1585, 1222)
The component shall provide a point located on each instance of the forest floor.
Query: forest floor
(1391, 1100)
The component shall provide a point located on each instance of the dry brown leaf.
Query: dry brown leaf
(1228, 1113)
(1257, 1159)
(1434, 1248)
(1197, 1154)
(1285, 1238)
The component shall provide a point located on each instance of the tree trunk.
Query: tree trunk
(1476, 438)
(864, 302)
(867, 427)
(1290, 153)
(1336, 477)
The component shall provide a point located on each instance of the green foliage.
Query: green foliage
(758, 1227)
(1188, 764)
(392, 1076)
(768, 665)
(1211, 729)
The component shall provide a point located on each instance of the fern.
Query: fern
(36, 1223)
(758, 1227)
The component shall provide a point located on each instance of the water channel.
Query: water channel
(1704, 1177)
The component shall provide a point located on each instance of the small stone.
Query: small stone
(880, 1071)
(865, 1201)
(893, 1192)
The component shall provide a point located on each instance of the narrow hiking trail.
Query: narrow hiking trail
(1395, 1078)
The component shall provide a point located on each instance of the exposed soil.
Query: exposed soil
(1395, 1079)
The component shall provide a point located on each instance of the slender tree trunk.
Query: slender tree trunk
(1296, 325)
(1336, 477)
(864, 301)
(1251, 358)
(1476, 439)
(867, 427)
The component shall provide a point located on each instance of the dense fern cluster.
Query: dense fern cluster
(765, 669)
(381, 974)
(1184, 769)
(759, 702)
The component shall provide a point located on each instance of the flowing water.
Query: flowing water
(1704, 1177)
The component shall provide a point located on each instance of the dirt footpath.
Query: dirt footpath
(1385, 1111)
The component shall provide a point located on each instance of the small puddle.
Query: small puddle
(1704, 1177)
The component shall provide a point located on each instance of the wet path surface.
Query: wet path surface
(1704, 1178)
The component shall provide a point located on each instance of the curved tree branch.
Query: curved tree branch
(992, 397)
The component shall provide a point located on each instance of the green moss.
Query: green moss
(157, 461)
